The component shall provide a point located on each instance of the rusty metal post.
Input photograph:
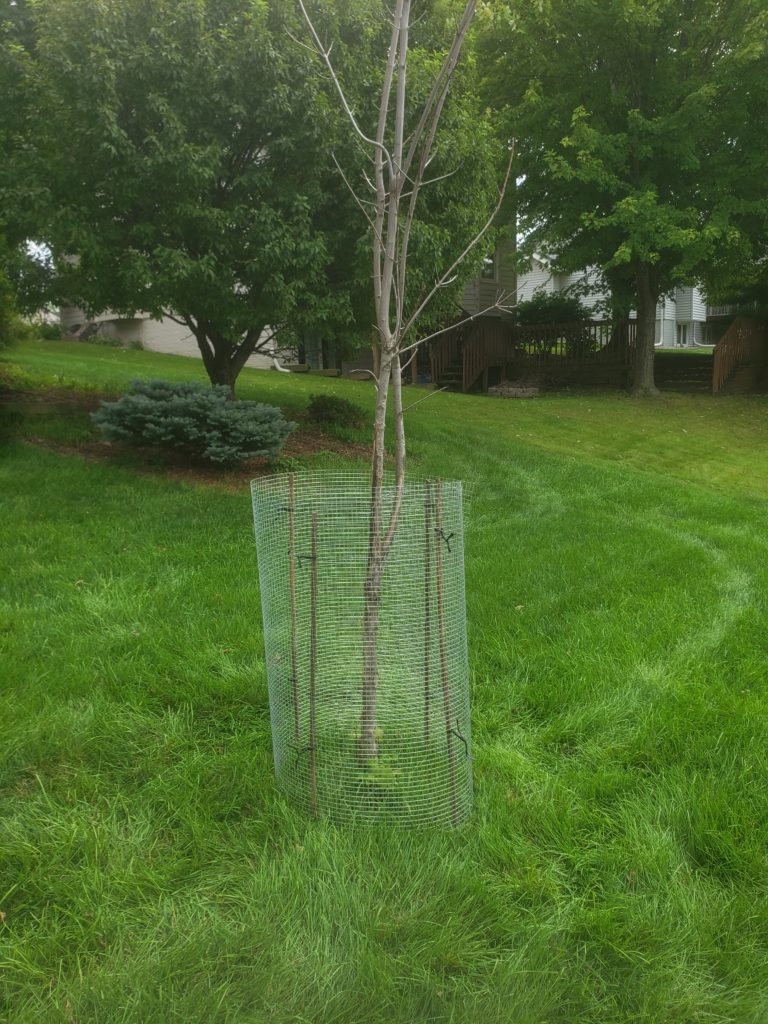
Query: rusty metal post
(443, 651)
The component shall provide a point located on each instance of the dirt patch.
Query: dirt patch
(307, 441)
(47, 398)
(175, 465)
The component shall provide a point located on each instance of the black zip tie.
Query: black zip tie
(446, 539)
(303, 750)
(455, 732)
(286, 508)
(304, 558)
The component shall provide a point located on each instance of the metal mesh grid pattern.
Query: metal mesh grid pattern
(312, 541)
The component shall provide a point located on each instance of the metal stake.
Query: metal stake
(443, 651)
(428, 539)
(292, 585)
(313, 673)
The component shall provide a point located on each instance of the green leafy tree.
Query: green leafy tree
(632, 121)
(177, 136)
(20, 276)
(185, 161)
(551, 308)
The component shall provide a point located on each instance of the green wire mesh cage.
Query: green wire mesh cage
(312, 537)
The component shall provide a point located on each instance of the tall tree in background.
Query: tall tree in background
(183, 154)
(175, 134)
(18, 195)
(633, 126)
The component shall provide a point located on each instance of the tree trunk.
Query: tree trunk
(223, 359)
(647, 299)
(368, 747)
(380, 540)
(224, 372)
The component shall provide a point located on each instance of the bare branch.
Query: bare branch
(431, 181)
(424, 135)
(460, 259)
(423, 398)
(440, 83)
(325, 54)
(360, 202)
(383, 199)
(369, 182)
(498, 306)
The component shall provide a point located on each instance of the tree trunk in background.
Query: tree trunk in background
(222, 359)
(643, 382)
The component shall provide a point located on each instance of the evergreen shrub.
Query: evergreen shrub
(196, 418)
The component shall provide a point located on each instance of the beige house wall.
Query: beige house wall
(163, 335)
(483, 292)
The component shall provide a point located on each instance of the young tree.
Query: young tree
(400, 150)
(628, 114)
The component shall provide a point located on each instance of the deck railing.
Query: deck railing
(469, 351)
(745, 343)
(576, 341)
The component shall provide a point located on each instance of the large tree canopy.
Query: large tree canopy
(633, 121)
(177, 135)
(185, 154)
(18, 205)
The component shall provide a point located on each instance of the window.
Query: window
(488, 272)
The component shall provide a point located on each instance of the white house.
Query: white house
(681, 317)
(154, 335)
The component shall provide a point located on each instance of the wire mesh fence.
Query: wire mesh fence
(312, 536)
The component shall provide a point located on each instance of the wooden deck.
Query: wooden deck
(473, 356)
(489, 350)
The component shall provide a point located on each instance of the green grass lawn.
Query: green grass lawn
(615, 868)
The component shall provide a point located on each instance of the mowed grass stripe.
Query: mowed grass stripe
(615, 866)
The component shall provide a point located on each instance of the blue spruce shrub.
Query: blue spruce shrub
(195, 418)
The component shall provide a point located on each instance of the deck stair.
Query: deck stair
(462, 357)
(684, 371)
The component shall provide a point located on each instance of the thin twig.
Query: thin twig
(459, 323)
(425, 397)
(460, 259)
(325, 54)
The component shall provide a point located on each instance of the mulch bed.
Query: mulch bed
(305, 442)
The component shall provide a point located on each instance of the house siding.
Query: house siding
(690, 305)
(163, 335)
(176, 339)
(538, 278)
(594, 297)
(481, 293)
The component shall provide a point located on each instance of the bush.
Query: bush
(330, 409)
(50, 332)
(545, 308)
(195, 418)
